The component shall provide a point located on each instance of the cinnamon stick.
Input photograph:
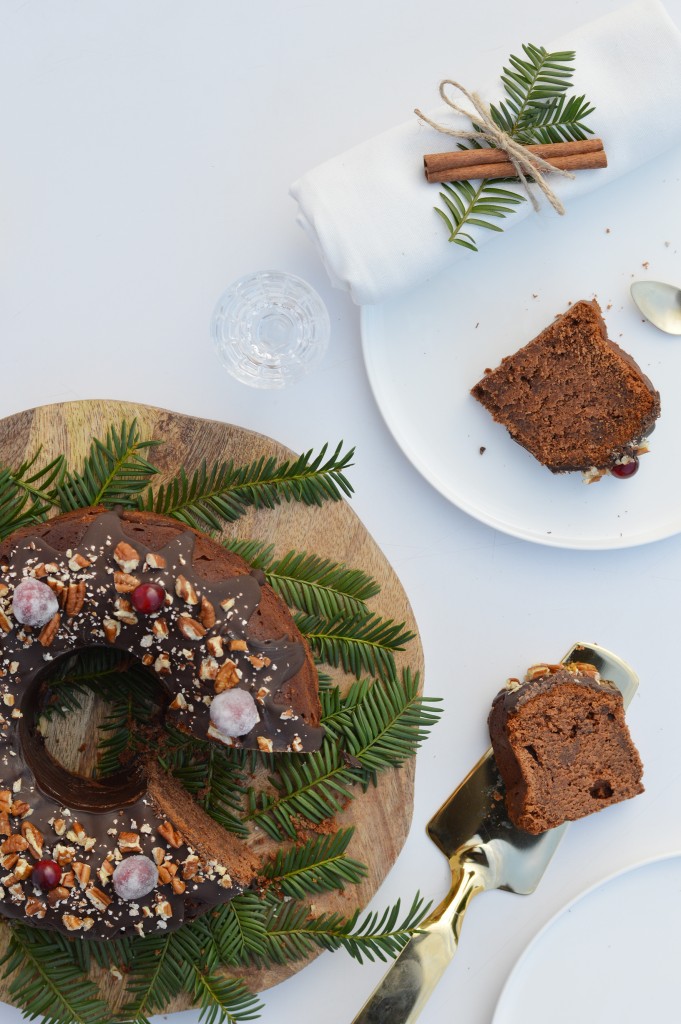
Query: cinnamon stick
(469, 164)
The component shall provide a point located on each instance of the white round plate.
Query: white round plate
(610, 957)
(426, 348)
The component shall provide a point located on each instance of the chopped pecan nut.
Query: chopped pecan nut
(111, 630)
(238, 645)
(160, 628)
(170, 834)
(71, 922)
(125, 582)
(14, 844)
(5, 623)
(49, 631)
(34, 838)
(35, 907)
(78, 562)
(227, 677)
(99, 899)
(75, 598)
(185, 590)
(155, 561)
(56, 895)
(126, 556)
(129, 842)
(190, 628)
(82, 872)
(265, 744)
(209, 669)
(207, 613)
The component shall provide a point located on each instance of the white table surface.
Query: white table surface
(147, 149)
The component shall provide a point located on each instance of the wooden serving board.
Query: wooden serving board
(382, 816)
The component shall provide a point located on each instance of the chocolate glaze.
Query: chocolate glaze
(47, 812)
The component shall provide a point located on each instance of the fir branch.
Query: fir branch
(360, 642)
(222, 999)
(238, 929)
(222, 494)
(535, 110)
(319, 865)
(159, 972)
(293, 934)
(114, 472)
(111, 674)
(47, 979)
(380, 731)
(320, 586)
(27, 493)
(315, 786)
(214, 775)
(469, 205)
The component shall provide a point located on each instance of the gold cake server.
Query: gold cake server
(485, 851)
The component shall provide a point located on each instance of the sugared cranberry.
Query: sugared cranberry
(234, 712)
(46, 874)
(622, 470)
(33, 602)
(135, 877)
(148, 598)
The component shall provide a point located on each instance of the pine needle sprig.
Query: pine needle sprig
(319, 865)
(212, 497)
(320, 586)
(238, 929)
(535, 90)
(159, 972)
(293, 933)
(212, 774)
(360, 643)
(222, 999)
(114, 473)
(536, 109)
(111, 674)
(468, 205)
(27, 493)
(315, 786)
(379, 731)
(47, 980)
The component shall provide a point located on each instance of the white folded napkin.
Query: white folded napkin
(628, 65)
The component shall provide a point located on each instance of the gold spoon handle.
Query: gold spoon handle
(407, 986)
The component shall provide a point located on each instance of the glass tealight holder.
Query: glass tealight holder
(270, 329)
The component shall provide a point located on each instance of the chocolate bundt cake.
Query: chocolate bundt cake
(562, 746)
(573, 398)
(134, 853)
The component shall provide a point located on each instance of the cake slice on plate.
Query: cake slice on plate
(573, 398)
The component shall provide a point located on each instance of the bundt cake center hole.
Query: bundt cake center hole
(84, 726)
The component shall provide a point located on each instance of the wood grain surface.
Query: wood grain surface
(382, 816)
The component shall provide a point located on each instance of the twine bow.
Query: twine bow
(526, 164)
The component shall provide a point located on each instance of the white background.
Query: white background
(147, 149)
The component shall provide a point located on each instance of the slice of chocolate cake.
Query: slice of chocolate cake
(573, 398)
(562, 746)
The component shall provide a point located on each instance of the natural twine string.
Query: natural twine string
(525, 163)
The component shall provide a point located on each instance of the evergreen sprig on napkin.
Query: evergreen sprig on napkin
(536, 109)
(376, 725)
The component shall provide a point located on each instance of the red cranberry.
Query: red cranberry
(46, 874)
(622, 470)
(148, 598)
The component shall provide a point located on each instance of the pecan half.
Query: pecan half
(49, 631)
